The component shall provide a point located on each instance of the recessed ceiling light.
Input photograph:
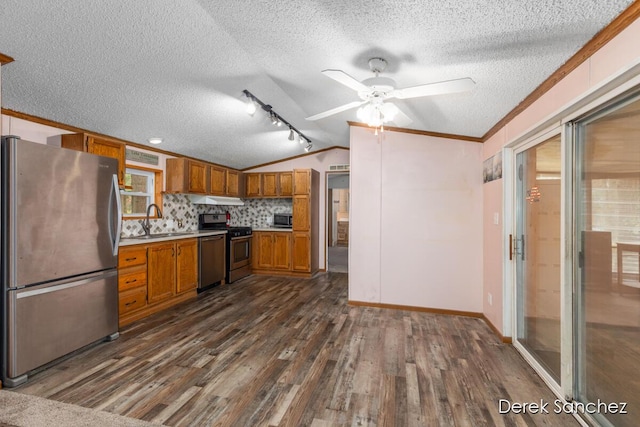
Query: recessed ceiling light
(155, 140)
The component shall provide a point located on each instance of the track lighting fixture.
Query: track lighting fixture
(276, 119)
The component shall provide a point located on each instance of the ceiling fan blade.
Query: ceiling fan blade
(344, 78)
(336, 110)
(401, 119)
(439, 88)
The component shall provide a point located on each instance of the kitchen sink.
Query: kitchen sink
(155, 236)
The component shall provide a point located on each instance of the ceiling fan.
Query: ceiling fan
(376, 92)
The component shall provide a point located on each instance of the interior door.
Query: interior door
(538, 255)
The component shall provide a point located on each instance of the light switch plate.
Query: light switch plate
(496, 218)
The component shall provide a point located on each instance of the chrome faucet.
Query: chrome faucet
(146, 225)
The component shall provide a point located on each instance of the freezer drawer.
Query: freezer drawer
(47, 322)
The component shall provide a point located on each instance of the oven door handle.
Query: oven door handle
(240, 238)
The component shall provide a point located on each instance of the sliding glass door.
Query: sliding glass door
(607, 242)
(537, 252)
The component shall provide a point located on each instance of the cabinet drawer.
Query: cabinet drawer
(130, 256)
(132, 278)
(132, 300)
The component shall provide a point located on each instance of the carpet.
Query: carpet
(21, 410)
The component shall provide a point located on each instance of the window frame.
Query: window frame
(156, 196)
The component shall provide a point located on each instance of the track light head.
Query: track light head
(252, 105)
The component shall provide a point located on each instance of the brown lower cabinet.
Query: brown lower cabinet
(282, 253)
(301, 251)
(156, 276)
(271, 250)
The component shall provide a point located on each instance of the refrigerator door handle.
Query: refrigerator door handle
(61, 285)
(116, 217)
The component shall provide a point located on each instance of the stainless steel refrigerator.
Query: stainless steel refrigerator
(61, 222)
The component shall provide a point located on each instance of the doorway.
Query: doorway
(607, 241)
(538, 259)
(575, 192)
(337, 217)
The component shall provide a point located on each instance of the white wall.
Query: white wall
(320, 162)
(30, 131)
(415, 221)
(43, 134)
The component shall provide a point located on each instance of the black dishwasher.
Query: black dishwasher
(212, 261)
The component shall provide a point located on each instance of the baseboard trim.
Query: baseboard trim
(414, 308)
(505, 340)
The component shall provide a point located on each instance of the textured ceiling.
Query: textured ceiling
(176, 70)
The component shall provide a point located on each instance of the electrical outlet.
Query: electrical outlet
(490, 298)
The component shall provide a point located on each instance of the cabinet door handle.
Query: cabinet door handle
(179, 251)
(131, 281)
(131, 259)
(173, 252)
(131, 303)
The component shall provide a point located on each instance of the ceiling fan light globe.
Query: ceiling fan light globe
(389, 111)
(362, 113)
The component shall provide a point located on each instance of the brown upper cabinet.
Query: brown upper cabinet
(233, 183)
(217, 180)
(285, 180)
(302, 181)
(195, 177)
(253, 185)
(97, 145)
(269, 184)
(186, 176)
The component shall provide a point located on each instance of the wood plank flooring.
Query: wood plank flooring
(291, 352)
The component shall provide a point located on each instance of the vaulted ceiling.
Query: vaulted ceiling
(176, 70)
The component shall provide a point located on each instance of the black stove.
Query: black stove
(219, 222)
(238, 231)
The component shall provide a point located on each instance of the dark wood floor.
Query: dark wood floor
(278, 351)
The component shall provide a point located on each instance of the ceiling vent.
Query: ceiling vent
(338, 168)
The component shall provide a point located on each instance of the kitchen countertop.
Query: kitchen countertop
(272, 229)
(127, 241)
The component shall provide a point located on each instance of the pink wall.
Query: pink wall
(492, 253)
(616, 56)
(320, 162)
(415, 224)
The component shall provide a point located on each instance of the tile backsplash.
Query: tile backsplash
(179, 214)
